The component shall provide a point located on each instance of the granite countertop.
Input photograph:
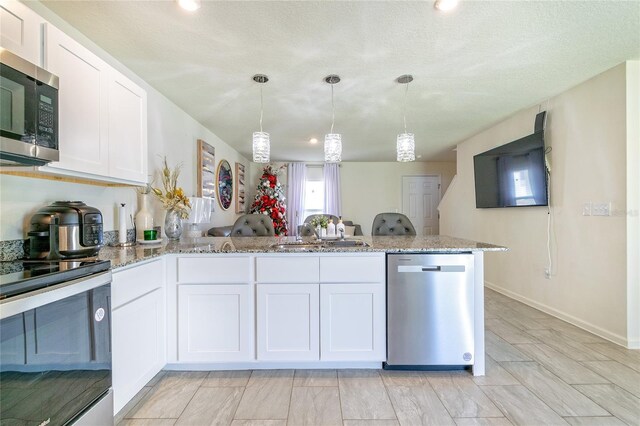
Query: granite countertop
(120, 257)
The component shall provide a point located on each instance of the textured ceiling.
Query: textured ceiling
(472, 67)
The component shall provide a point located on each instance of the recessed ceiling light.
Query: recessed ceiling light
(190, 5)
(313, 141)
(445, 5)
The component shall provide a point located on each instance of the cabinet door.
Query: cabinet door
(82, 101)
(352, 322)
(138, 345)
(20, 30)
(215, 323)
(288, 322)
(127, 129)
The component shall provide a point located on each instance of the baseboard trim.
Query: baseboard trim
(265, 365)
(598, 331)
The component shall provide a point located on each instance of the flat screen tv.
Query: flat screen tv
(512, 175)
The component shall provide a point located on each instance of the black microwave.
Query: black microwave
(28, 112)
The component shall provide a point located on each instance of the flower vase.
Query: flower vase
(173, 224)
(144, 218)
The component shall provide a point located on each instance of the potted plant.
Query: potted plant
(320, 223)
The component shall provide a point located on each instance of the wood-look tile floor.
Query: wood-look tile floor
(540, 371)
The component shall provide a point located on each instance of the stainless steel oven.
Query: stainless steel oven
(28, 112)
(55, 344)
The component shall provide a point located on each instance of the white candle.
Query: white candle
(122, 223)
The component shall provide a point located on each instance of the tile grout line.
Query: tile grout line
(386, 390)
(568, 384)
(191, 399)
(293, 379)
(244, 388)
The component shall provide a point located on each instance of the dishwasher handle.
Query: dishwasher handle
(431, 268)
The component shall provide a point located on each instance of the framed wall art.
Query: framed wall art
(206, 170)
(224, 178)
(239, 187)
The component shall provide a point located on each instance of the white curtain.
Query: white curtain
(296, 177)
(332, 198)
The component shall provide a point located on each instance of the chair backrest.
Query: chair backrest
(253, 225)
(330, 216)
(392, 224)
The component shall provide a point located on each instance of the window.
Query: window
(522, 188)
(314, 191)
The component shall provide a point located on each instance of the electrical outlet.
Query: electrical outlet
(547, 273)
(601, 209)
(586, 209)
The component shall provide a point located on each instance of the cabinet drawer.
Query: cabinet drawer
(134, 282)
(289, 269)
(214, 270)
(352, 269)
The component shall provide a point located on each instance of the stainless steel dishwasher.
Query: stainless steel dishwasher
(429, 310)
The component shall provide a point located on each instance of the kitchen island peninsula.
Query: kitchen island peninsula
(267, 302)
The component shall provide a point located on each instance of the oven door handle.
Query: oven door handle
(25, 302)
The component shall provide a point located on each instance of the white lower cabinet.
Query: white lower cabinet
(138, 339)
(352, 322)
(215, 323)
(288, 322)
(277, 308)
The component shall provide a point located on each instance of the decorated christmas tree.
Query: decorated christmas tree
(269, 199)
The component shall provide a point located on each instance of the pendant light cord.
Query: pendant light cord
(333, 110)
(404, 108)
(261, 108)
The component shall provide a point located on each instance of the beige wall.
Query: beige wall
(376, 187)
(633, 203)
(369, 188)
(588, 285)
(171, 132)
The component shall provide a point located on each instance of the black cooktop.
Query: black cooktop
(22, 276)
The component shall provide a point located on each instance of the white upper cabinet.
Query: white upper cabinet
(127, 129)
(20, 30)
(103, 115)
(83, 103)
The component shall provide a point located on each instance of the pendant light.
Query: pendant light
(332, 141)
(261, 145)
(405, 145)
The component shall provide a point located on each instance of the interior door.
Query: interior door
(420, 199)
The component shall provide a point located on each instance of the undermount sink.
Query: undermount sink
(299, 245)
(296, 246)
(345, 243)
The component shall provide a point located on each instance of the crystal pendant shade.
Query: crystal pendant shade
(406, 147)
(261, 147)
(332, 148)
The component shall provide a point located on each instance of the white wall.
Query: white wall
(588, 286)
(171, 132)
